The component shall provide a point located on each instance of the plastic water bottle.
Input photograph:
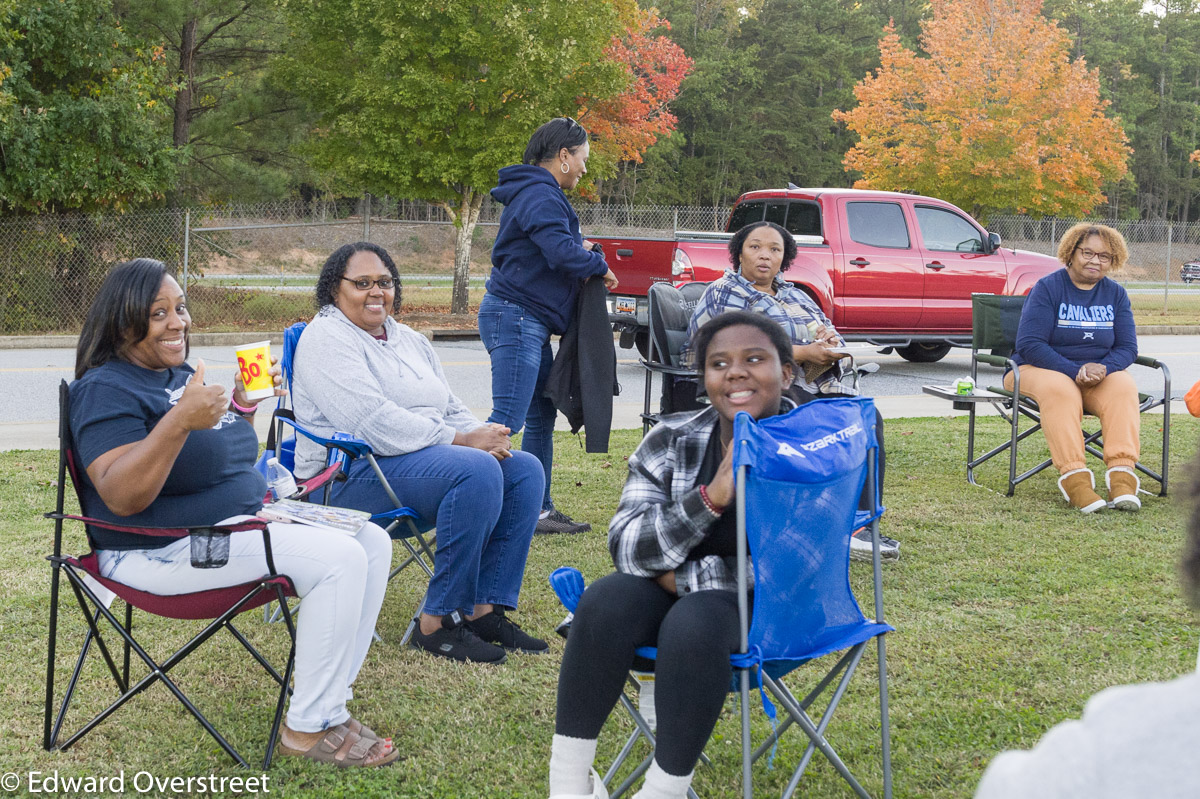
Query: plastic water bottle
(281, 481)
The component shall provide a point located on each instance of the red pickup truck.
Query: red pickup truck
(897, 270)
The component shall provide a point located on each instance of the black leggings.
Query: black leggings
(695, 636)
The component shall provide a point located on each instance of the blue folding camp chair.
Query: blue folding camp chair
(402, 524)
(798, 478)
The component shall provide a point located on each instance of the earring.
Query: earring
(563, 166)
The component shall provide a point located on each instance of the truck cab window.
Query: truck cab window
(776, 212)
(804, 219)
(947, 231)
(877, 224)
(744, 214)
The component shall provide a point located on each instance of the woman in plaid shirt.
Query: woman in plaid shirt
(759, 253)
(673, 541)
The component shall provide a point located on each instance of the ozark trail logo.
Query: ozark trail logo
(833, 438)
(787, 449)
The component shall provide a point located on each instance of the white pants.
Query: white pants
(342, 579)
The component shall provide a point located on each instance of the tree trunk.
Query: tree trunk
(187, 75)
(465, 218)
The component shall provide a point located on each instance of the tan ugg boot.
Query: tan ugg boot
(1078, 487)
(1123, 485)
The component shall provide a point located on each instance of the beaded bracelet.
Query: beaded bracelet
(714, 509)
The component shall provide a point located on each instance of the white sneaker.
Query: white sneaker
(599, 791)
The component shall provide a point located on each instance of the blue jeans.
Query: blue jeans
(484, 510)
(519, 345)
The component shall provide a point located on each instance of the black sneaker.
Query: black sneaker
(457, 641)
(860, 546)
(558, 522)
(496, 628)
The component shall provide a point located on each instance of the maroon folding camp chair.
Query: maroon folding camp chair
(220, 605)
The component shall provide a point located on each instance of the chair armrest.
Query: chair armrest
(159, 532)
(668, 369)
(1146, 360)
(354, 447)
(992, 360)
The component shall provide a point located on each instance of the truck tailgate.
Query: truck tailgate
(637, 263)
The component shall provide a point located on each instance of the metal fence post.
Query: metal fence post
(367, 216)
(1167, 272)
(187, 235)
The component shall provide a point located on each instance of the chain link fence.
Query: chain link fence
(254, 267)
(1153, 276)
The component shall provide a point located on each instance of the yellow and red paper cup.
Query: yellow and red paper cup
(254, 362)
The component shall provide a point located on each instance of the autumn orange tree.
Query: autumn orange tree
(996, 117)
(624, 126)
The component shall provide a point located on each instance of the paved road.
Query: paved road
(29, 380)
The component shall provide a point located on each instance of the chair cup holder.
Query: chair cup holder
(210, 547)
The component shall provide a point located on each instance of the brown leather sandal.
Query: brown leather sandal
(346, 747)
(354, 725)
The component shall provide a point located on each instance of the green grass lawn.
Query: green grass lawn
(1010, 612)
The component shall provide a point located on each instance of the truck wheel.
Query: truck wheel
(923, 353)
(641, 340)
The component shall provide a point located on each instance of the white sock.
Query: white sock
(571, 765)
(543, 515)
(661, 785)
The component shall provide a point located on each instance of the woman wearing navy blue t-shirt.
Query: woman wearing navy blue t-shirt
(162, 449)
(1074, 343)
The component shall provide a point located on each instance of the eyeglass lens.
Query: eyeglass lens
(366, 283)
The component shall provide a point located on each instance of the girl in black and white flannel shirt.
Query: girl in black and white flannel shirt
(673, 542)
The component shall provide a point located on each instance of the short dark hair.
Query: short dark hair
(330, 280)
(739, 240)
(772, 329)
(120, 314)
(551, 137)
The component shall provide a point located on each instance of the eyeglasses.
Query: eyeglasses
(365, 283)
(1105, 258)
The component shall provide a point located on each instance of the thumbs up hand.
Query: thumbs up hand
(200, 406)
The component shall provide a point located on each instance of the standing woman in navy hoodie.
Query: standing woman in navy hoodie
(539, 262)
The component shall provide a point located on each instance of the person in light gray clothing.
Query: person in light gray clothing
(359, 371)
(1133, 740)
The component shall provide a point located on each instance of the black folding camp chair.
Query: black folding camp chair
(669, 313)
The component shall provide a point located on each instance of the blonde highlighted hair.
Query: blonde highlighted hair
(1075, 236)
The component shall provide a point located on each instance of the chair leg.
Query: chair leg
(747, 788)
(159, 671)
(285, 683)
(885, 733)
(47, 738)
(76, 585)
(128, 629)
(642, 731)
(816, 733)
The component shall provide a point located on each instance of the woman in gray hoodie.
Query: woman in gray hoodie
(359, 371)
